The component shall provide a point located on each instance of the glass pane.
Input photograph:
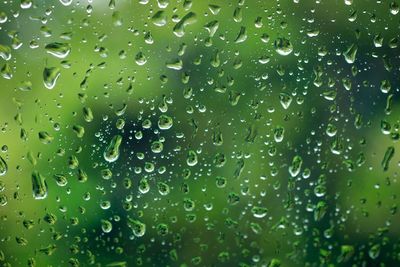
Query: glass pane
(199, 133)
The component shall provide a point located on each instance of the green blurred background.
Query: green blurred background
(225, 98)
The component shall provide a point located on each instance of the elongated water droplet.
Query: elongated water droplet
(45, 137)
(87, 114)
(60, 50)
(350, 54)
(191, 159)
(138, 228)
(5, 52)
(73, 162)
(374, 251)
(189, 18)
(6, 71)
(212, 27)
(320, 210)
(176, 64)
(79, 130)
(386, 159)
(242, 35)
(238, 14)
(111, 153)
(279, 132)
(159, 18)
(3, 166)
(31, 158)
(295, 167)
(39, 186)
(219, 160)
(50, 76)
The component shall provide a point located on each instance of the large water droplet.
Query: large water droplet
(179, 29)
(283, 46)
(60, 50)
(50, 76)
(111, 153)
(39, 186)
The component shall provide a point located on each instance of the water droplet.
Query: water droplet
(279, 133)
(138, 228)
(50, 76)
(283, 46)
(157, 147)
(159, 18)
(385, 86)
(3, 200)
(242, 35)
(39, 186)
(87, 114)
(165, 122)
(5, 52)
(346, 253)
(320, 211)
(6, 71)
(219, 160)
(188, 19)
(237, 14)
(212, 27)
(140, 59)
(45, 137)
(111, 153)
(176, 64)
(79, 130)
(144, 186)
(3, 166)
(350, 53)
(388, 156)
(295, 167)
(259, 212)
(25, 4)
(374, 251)
(163, 188)
(394, 8)
(106, 226)
(31, 158)
(25, 86)
(116, 18)
(60, 50)
(285, 100)
(60, 179)
(66, 2)
(191, 158)
(214, 9)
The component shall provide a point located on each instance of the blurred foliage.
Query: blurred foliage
(209, 133)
